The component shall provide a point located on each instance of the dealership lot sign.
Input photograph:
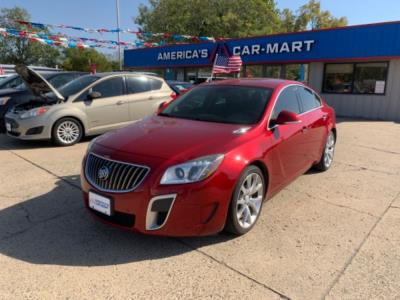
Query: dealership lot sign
(353, 42)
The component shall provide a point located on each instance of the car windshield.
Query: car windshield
(75, 85)
(221, 104)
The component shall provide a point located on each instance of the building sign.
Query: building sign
(271, 48)
(353, 42)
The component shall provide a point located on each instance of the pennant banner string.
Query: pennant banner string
(63, 40)
(139, 34)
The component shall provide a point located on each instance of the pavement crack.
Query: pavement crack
(361, 168)
(378, 149)
(281, 295)
(44, 169)
(348, 207)
(357, 250)
(35, 223)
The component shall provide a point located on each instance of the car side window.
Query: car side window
(110, 87)
(308, 99)
(142, 84)
(287, 100)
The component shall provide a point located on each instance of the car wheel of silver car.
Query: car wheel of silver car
(247, 201)
(67, 132)
(327, 155)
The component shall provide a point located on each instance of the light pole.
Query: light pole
(119, 37)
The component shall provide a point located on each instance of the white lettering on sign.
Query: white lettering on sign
(284, 48)
(272, 48)
(256, 49)
(183, 54)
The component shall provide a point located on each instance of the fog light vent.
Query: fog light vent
(35, 130)
(158, 211)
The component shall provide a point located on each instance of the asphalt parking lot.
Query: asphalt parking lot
(333, 235)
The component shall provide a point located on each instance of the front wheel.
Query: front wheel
(246, 202)
(327, 156)
(67, 132)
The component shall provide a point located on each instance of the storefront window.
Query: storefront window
(355, 78)
(338, 78)
(191, 75)
(273, 71)
(370, 78)
(298, 72)
(254, 71)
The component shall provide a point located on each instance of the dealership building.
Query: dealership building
(355, 68)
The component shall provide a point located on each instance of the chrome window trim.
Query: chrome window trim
(277, 97)
(116, 161)
(152, 200)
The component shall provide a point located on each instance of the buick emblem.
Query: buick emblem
(103, 173)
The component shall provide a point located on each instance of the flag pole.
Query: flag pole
(212, 69)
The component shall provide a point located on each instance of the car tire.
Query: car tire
(328, 153)
(67, 132)
(246, 202)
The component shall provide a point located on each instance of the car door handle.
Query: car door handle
(120, 102)
(324, 117)
(304, 129)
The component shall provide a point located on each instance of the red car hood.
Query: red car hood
(172, 138)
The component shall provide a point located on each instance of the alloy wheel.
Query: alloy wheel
(68, 132)
(249, 203)
(329, 150)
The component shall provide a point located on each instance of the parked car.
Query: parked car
(4, 76)
(18, 94)
(209, 159)
(89, 105)
(10, 82)
(179, 87)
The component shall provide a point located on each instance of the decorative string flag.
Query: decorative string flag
(72, 42)
(139, 34)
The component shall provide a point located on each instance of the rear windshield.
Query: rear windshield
(222, 104)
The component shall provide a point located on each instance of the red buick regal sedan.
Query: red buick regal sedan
(209, 159)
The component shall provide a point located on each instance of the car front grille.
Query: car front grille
(113, 176)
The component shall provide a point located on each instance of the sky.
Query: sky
(102, 13)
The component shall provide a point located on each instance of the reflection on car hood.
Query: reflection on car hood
(172, 138)
(35, 82)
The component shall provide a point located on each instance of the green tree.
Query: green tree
(81, 59)
(215, 18)
(309, 16)
(15, 50)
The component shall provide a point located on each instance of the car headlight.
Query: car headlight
(192, 171)
(4, 100)
(34, 112)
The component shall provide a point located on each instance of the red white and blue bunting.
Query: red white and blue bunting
(139, 34)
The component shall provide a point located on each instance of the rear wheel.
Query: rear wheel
(67, 132)
(327, 156)
(246, 203)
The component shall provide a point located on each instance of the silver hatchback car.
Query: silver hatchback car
(89, 105)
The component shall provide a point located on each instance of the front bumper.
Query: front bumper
(197, 209)
(27, 129)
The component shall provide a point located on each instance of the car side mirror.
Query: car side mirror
(286, 117)
(93, 95)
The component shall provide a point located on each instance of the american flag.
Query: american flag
(227, 64)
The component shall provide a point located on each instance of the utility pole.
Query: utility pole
(119, 37)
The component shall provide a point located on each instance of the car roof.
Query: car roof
(178, 82)
(255, 82)
(104, 74)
